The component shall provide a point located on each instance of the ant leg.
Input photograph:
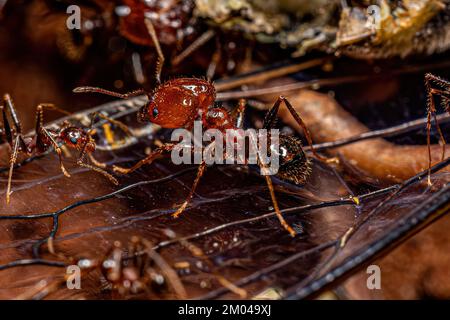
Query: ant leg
(99, 170)
(266, 174)
(131, 94)
(96, 163)
(6, 127)
(200, 41)
(40, 114)
(277, 208)
(149, 159)
(12, 162)
(240, 112)
(57, 150)
(217, 55)
(16, 143)
(161, 59)
(42, 131)
(82, 163)
(271, 117)
(200, 171)
(431, 110)
(9, 104)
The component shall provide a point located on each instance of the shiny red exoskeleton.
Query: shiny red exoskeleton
(179, 102)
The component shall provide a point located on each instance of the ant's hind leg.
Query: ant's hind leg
(271, 118)
(200, 171)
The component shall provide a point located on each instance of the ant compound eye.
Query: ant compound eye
(155, 112)
(74, 140)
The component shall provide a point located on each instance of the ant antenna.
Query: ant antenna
(109, 93)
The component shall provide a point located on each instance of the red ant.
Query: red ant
(442, 90)
(45, 138)
(178, 103)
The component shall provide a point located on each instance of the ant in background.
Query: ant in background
(179, 102)
(442, 90)
(145, 270)
(45, 138)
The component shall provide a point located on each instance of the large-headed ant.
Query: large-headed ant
(45, 138)
(442, 90)
(179, 102)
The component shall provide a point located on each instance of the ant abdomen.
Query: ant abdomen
(294, 165)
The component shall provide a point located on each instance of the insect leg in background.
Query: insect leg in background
(442, 90)
(161, 59)
(89, 147)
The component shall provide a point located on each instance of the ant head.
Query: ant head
(176, 103)
(77, 138)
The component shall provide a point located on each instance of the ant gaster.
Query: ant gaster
(179, 102)
(45, 138)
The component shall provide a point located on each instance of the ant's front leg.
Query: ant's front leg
(271, 118)
(97, 167)
(149, 159)
(44, 137)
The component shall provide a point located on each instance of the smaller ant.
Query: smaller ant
(179, 102)
(45, 138)
(442, 90)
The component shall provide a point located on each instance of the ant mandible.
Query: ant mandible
(442, 90)
(179, 102)
(45, 138)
